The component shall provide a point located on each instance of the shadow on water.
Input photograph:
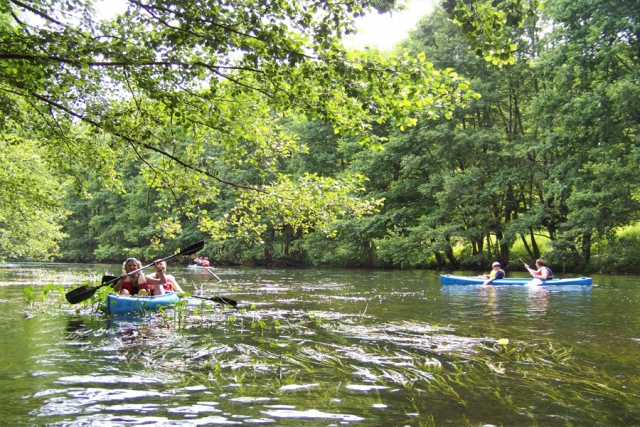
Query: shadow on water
(333, 347)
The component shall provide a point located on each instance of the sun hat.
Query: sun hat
(495, 264)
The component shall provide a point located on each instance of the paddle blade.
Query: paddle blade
(80, 294)
(220, 300)
(108, 279)
(84, 293)
(223, 300)
(193, 248)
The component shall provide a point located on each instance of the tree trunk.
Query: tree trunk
(504, 249)
(586, 247)
(449, 254)
(534, 245)
(440, 260)
(526, 246)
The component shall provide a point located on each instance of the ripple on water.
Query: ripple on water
(193, 409)
(119, 421)
(108, 379)
(311, 414)
(246, 399)
(81, 400)
(360, 387)
(293, 387)
(130, 407)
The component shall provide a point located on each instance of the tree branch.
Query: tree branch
(37, 12)
(135, 142)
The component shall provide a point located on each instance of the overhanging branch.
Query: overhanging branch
(135, 142)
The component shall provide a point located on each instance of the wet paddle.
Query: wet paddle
(84, 293)
(212, 273)
(527, 267)
(221, 300)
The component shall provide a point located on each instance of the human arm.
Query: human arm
(157, 282)
(118, 286)
(533, 272)
(174, 283)
(499, 275)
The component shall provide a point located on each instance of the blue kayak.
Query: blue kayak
(117, 304)
(448, 279)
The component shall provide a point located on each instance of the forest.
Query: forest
(495, 131)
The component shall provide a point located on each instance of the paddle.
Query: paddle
(212, 273)
(527, 267)
(221, 300)
(83, 293)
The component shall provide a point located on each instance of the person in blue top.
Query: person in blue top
(496, 273)
(543, 272)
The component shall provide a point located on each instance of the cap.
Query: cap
(495, 264)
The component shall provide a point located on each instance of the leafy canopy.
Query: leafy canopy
(213, 73)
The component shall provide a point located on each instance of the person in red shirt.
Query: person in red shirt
(171, 284)
(543, 272)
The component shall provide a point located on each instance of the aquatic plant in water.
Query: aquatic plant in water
(274, 353)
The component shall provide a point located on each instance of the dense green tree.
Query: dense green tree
(548, 150)
(459, 178)
(486, 24)
(30, 201)
(588, 119)
(218, 73)
(251, 123)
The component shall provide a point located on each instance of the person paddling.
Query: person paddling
(496, 273)
(133, 282)
(542, 273)
(171, 285)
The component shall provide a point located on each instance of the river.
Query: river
(320, 347)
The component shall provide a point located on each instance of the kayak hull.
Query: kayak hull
(448, 279)
(117, 304)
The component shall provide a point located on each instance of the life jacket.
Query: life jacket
(205, 263)
(493, 273)
(135, 288)
(550, 273)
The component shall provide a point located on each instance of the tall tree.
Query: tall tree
(589, 119)
(469, 169)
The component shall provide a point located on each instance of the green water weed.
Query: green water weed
(29, 295)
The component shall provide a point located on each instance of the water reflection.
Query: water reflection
(493, 300)
(537, 300)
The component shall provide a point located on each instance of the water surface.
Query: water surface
(314, 347)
